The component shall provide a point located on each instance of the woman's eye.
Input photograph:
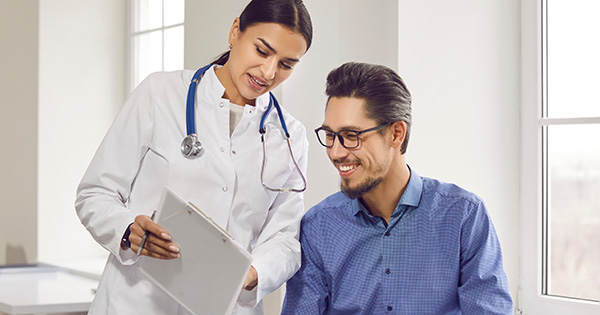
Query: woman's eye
(260, 52)
(285, 66)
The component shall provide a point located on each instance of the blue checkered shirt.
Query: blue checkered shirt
(439, 254)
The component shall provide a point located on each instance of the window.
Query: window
(157, 37)
(560, 158)
(570, 125)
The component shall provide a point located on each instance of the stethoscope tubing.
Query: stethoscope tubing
(192, 139)
(189, 107)
(273, 103)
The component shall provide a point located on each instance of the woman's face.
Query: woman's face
(261, 57)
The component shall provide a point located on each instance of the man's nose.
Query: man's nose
(337, 150)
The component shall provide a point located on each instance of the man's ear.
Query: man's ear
(398, 133)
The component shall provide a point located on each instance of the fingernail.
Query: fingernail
(174, 248)
(165, 236)
(175, 255)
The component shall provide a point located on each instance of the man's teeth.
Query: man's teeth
(345, 168)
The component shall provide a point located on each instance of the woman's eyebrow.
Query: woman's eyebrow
(267, 44)
(275, 51)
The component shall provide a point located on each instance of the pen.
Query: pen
(143, 242)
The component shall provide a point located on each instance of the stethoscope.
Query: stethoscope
(191, 147)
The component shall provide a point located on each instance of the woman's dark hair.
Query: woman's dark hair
(386, 97)
(290, 13)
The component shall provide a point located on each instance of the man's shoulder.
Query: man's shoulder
(332, 205)
(437, 189)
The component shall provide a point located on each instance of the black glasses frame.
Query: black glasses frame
(341, 138)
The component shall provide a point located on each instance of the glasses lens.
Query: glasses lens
(325, 137)
(350, 138)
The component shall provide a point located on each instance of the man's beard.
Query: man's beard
(362, 188)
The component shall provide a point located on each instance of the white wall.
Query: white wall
(207, 25)
(82, 86)
(461, 61)
(18, 130)
(63, 72)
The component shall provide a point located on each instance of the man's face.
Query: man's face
(365, 167)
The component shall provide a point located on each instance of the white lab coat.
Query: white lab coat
(141, 153)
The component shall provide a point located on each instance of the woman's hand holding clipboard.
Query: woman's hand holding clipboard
(150, 239)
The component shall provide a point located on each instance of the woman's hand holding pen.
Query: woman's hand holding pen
(158, 242)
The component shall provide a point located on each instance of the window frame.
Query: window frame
(131, 38)
(531, 298)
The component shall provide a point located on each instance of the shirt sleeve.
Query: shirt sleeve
(483, 287)
(103, 192)
(307, 291)
(276, 256)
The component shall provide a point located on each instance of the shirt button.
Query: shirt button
(389, 308)
(233, 152)
(388, 271)
(224, 189)
(221, 104)
(250, 111)
(222, 149)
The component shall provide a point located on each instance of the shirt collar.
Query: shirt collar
(411, 196)
(414, 189)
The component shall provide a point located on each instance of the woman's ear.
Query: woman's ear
(398, 133)
(234, 33)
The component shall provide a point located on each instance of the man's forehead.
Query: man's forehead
(344, 112)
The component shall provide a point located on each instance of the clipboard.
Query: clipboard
(208, 276)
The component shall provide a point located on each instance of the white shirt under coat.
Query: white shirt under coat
(141, 153)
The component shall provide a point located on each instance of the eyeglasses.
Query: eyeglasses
(349, 139)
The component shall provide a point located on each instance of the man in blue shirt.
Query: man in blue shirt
(391, 242)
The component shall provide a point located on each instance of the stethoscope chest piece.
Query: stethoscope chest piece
(191, 148)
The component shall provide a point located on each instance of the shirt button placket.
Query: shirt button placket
(385, 242)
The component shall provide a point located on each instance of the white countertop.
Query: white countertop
(44, 289)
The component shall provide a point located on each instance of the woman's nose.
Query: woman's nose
(269, 68)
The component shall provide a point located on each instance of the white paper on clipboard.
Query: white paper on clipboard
(209, 274)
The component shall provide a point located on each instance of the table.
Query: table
(44, 289)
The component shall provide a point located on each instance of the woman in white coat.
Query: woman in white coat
(141, 154)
